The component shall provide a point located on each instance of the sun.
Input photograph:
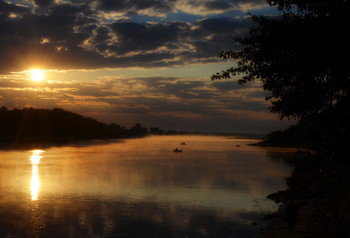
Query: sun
(37, 75)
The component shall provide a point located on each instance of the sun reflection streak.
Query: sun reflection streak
(35, 180)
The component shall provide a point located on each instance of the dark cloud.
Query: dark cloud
(6, 8)
(133, 5)
(215, 5)
(181, 89)
(222, 31)
(224, 85)
(44, 3)
(142, 37)
(72, 36)
(51, 40)
(221, 25)
(159, 94)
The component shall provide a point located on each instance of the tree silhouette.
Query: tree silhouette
(30, 126)
(301, 59)
(299, 56)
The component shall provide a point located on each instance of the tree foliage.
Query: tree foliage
(300, 57)
(30, 126)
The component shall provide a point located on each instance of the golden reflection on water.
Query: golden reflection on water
(35, 180)
(109, 189)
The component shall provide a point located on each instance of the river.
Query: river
(215, 187)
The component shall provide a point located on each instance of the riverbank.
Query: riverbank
(321, 191)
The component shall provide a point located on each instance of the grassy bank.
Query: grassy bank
(321, 190)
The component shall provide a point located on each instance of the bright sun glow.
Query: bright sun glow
(35, 180)
(35, 183)
(37, 75)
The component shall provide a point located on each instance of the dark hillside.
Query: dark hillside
(43, 126)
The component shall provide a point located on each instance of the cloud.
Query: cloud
(71, 36)
(140, 37)
(210, 7)
(44, 3)
(158, 93)
(167, 102)
(133, 7)
(7, 8)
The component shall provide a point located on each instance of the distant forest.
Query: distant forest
(32, 126)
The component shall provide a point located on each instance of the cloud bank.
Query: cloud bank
(74, 34)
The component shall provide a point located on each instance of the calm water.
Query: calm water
(140, 188)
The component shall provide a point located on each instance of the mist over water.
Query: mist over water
(216, 187)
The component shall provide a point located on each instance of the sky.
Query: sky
(133, 61)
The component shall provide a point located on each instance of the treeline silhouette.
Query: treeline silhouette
(302, 67)
(32, 126)
(304, 79)
(328, 133)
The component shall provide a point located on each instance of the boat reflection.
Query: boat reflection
(35, 180)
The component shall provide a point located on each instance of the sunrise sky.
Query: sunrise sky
(132, 61)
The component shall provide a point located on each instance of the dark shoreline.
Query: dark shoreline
(321, 190)
(78, 143)
(34, 143)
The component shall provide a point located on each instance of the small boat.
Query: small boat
(177, 150)
(183, 143)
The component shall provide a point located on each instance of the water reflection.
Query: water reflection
(139, 188)
(35, 180)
